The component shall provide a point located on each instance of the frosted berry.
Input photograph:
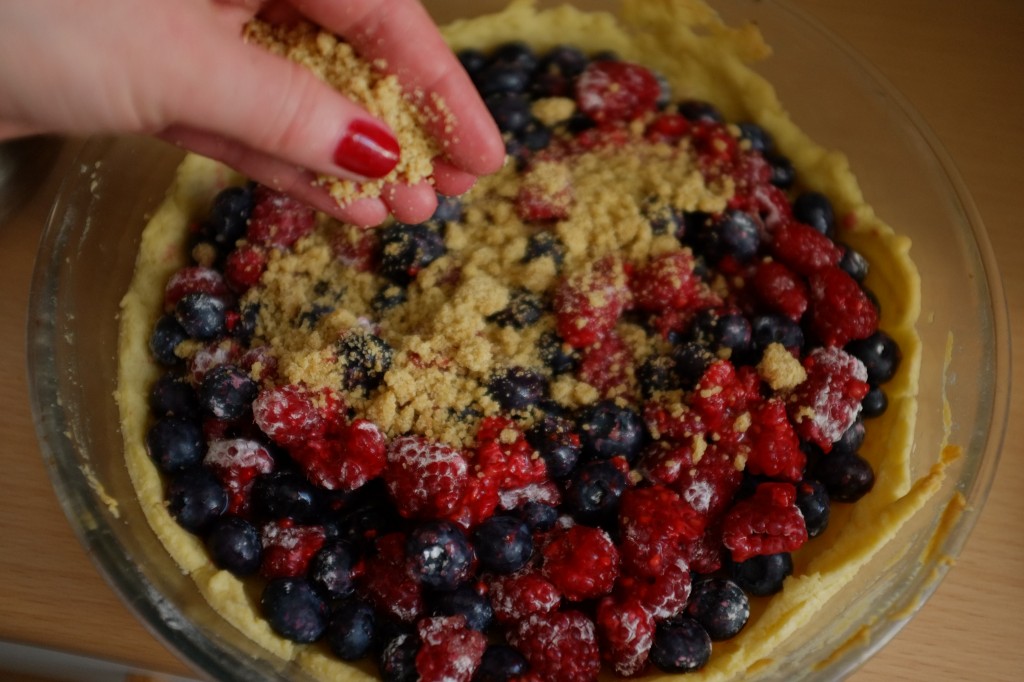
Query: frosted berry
(289, 548)
(767, 523)
(468, 600)
(387, 582)
(425, 479)
(294, 610)
(203, 316)
(561, 646)
(609, 91)
(234, 545)
(439, 555)
(277, 219)
(449, 651)
(175, 443)
(625, 630)
(581, 561)
(516, 596)
(681, 646)
(609, 430)
(166, 335)
(227, 392)
(332, 570)
(720, 606)
(287, 415)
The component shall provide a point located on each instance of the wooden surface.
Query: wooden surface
(960, 64)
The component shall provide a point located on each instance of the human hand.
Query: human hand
(180, 71)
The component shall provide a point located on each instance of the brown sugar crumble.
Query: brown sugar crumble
(409, 115)
(445, 338)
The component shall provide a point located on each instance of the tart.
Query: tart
(639, 404)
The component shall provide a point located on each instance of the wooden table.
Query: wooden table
(959, 63)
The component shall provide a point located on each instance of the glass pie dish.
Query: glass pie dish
(88, 253)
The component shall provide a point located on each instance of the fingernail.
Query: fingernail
(367, 149)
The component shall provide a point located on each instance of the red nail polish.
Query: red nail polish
(367, 149)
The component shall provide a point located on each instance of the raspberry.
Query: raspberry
(774, 447)
(288, 416)
(666, 282)
(662, 595)
(674, 422)
(717, 149)
(668, 128)
(840, 310)
(767, 523)
(260, 363)
(780, 289)
(387, 582)
(626, 632)
(609, 91)
(278, 220)
(545, 492)
(244, 267)
(711, 483)
(706, 555)
(355, 247)
(426, 479)
(504, 454)
(803, 249)
(516, 596)
(581, 562)
(544, 195)
(288, 548)
(723, 394)
(663, 462)
(347, 460)
(210, 356)
(826, 404)
(561, 646)
(770, 204)
(236, 463)
(588, 304)
(194, 279)
(449, 651)
(605, 365)
(654, 521)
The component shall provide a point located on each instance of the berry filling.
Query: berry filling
(561, 424)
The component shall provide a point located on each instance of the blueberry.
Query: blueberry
(515, 52)
(715, 329)
(663, 218)
(351, 630)
(510, 111)
(503, 544)
(768, 329)
(167, 334)
(331, 570)
(815, 209)
(692, 359)
(556, 354)
(501, 663)
(473, 61)
(171, 396)
(564, 60)
(538, 516)
(759, 139)
(234, 545)
(720, 606)
(783, 174)
(285, 495)
(407, 249)
(875, 403)
(195, 498)
(735, 234)
(763, 574)
(694, 223)
(201, 315)
(227, 392)
(312, 314)
(880, 354)
(248, 318)
(388, 297)
(545, 244)
(608, 430)
(501, 78)
(397, 660)
(366, 358)
(854, 264)
(700, 111)
(439, 555)
(517, 388)
(594, 491)
(465, 600)
(535, 136)
(550, 84)
(524, 309)
(605, 56)
(558, 444)
(846, 475)
(813, 501)
(852, 438)
(228, 217)
(365, 523)
(176, 443)
(294, 610)
(680, 646)
(657, 373)
(449, 210)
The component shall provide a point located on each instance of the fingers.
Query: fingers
(272, 172)
(403, 34)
